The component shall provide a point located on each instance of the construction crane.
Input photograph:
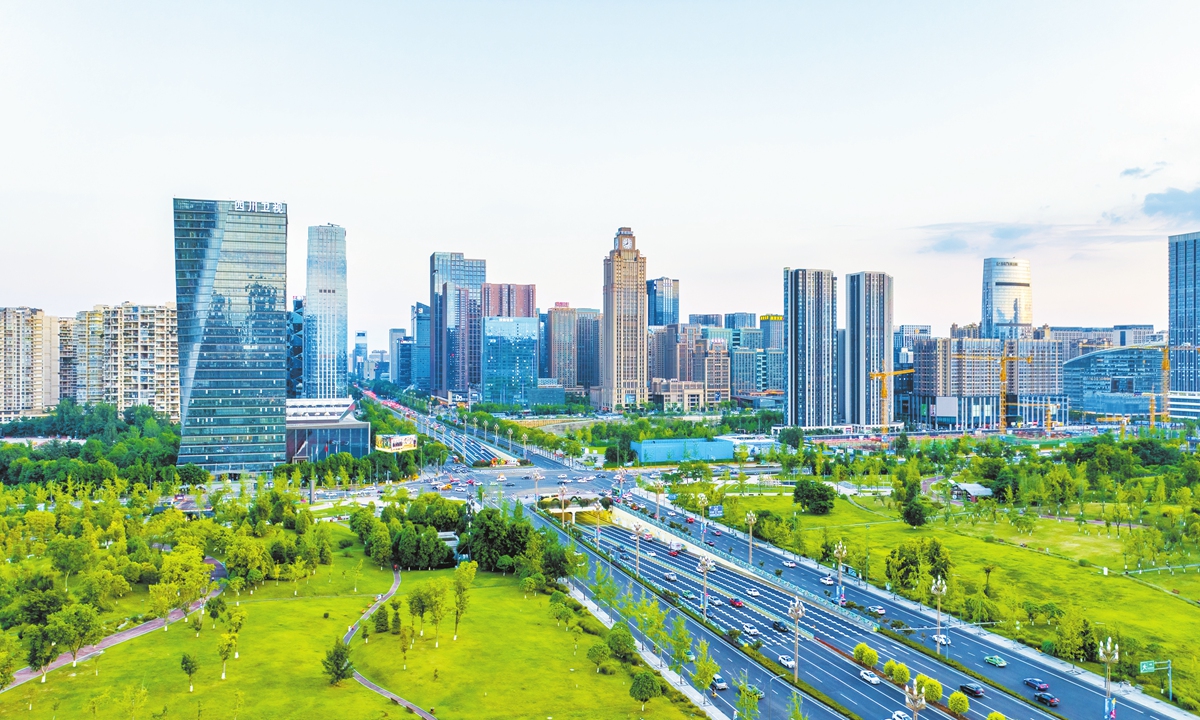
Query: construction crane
(883, 394)
(1166, 382)
(1004, 360)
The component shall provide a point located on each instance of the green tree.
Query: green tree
(620, 641)
(438, 604)
(76, 626)
(40, 650)
(958, 703)
(1068, 643)
(995, 715)
(901, 674)
(68, 555)
(932, 688)
(381, 620)
(225, 647)
(644, 687)
(681, 643)
(747, 700)
(561, 613)
(464, 577)
(337, 663)
(914, 512)
(9, 653)
(598, 654)
(706, 668)
(380, 544)
(795, 708)
(134, 699)
(189, 666)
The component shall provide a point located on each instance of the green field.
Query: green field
(510, 660)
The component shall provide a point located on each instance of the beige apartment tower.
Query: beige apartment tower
(128, 355)
(29, 356)
(623, 369)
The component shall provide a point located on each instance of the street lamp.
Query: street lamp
(510, 439)
(914, 699)
(703, 566)
(1109, 653)
(702, 502)
(938, 589)
(562, 503)
(839, 553)
(525, 445)
(751, 518)
(637, 549)
(796, 613)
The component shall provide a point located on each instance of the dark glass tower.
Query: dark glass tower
(230, 273)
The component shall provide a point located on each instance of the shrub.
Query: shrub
(1048, 647)
(326, 616)
(592, 626)
(901, 674)
(1084, 562)
(345, 543)
(620, 641)
(932, 688)
(994, 715)
(558, 597)
(888, 667)
(864, 655)
(958, 703)
(609, 668)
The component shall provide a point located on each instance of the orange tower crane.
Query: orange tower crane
(883, 394)
(1003, 359)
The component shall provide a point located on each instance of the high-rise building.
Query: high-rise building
(956, 383)
(508, 300)
(1007, 299)
(68, 377)
(359, 359)
(868, 346)
(421, 329)
(562, 345)
(455, 287)
(29, 357)
(89, 355)
(706, 320)
(755, 370)
(810, 312)
(295, 358)
(906, 336)
(325, 321)
(772, 331)
(543, 345)
(509, 360)
(589, 335)
(970, 331)
(746, 337)
(711, 360)
(396, 336)
(623, 370)
(681, 347)
(1183, 329)
(230, 280)
(141, 357)
(734, 321)
(658, 348)
(662, 294)
(377, 367)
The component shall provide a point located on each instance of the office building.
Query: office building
(711, 367)
(734, 321)
(230, 280)
(359, 359)
(746, 337)
(662, 295)
(397, 336)
(1007, 299)
(325, 327)
(29, 357)
(1082, 340)
(868, 347)
(317, 429)
(755, 370)
(421, 329)
(1036, 383)
(543, 345)
(508, 300)
(508, 364)
(455, 350)
(680, 344)
(1117, 381)
(562, 345)
(657, 350)
(810, 330)
(970, 331)
(295, 350)
(956, 383)
(906, 336)
(772, 331)
(377, 367)
(710, 320)
(623, 368)
(589, 335)
(404, 356)
(683, 396)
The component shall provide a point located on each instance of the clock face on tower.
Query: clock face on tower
(627, 243)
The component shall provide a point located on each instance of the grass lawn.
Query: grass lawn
(510, 660)
(844, 512)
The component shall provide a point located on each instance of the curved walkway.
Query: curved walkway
(367, 683)
(27, 673)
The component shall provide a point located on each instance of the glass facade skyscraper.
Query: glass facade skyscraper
(455, 287)
(662, 298)
(230, 277)
(811, 340)
(509, 360)
(1183, 306)
(325, 330)
(1007, 299)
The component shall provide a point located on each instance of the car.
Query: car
(753, 593)
(787, 661)
(670, 577)
(777, 625)
(734, 602)
(691, 520)
(670, 513)
(651, 553)
(689, 656)
(995, 660)
(870, 677)
(1046, 698)
(750, 630)
(941, 639)
(688, 595)
(827, 580)
(625, 556)
(1037, 684)
(718, 683)
(789, 563)
(901, 715)
(877, 610)
(972, 689)
(710, 543)
(674, 553)
(753, 690)
(717, 533)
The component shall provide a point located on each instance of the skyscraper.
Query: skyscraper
(325, 326)
(508, 300)
(127, 355)
(508, 362)
(455, 286)
(588, 336)
(1183, 301)
(562, 347)
(29, 356)
(359, 359)
(662, 294)
(810, 329)
(623, 370)
(868, 345)
(734, 321)
(397, 336)
(230, 278)
(706, 320)
(1007, 299)
(772, 331)
(421, 329)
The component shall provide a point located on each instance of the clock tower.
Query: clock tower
(623, 380)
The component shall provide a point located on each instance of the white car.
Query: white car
(869, 676)
(827, 580)
(787, 662)
(650, 553)
(901, 715)
(941, 639)
(750, 630)
(753, 593)
(672, 577)
(789, 563)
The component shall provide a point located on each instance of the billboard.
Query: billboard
(395, 443)
(716, 511)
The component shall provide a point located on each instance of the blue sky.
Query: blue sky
(734, 138)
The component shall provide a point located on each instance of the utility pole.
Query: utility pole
(938, 589)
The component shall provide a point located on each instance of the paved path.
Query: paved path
(26, 674)
(367, 683)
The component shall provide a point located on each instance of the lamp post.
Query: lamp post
(1109, 653)
(914, 700)
(703, 566)
(637, 549)
(525, 445)
(796, 613)
(510, 439)
(702, 502)
(751, 518)
(536, 478)
(839, 553)
(562, 504)
(938, 589)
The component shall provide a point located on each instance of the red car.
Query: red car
(691, 520)
(717, 533)
(674, 553)
(734, 602)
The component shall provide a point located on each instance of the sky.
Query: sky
(735, 138)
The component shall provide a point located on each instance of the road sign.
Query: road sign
(716, 511)
(1146, 666)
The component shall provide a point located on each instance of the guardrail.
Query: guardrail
(770, 578)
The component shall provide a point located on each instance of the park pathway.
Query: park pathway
(26, 674)
(367, 683)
